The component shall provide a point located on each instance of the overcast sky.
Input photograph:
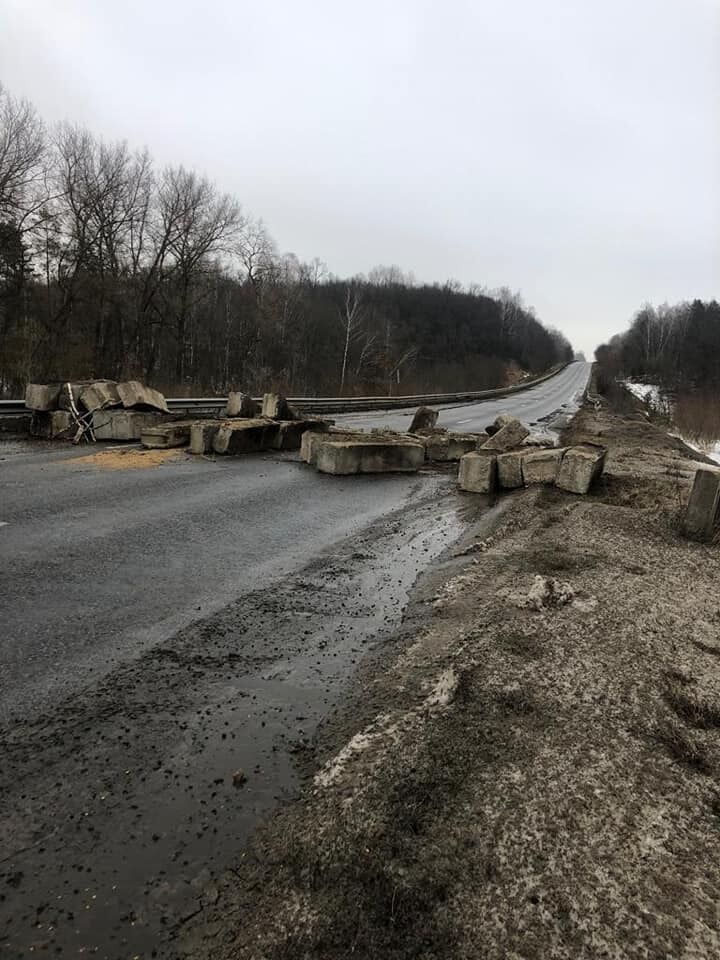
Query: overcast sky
(566, 148)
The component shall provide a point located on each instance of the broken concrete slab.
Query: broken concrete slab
(478, 472)
(99, 395)
(132, 393)
(245, 436)
(510, 472)
(123, 424)
(446, 448)
(240, 405)
(345, 457)
(701, 516)
(276, 407)
(424, 419)
(52, 425)
(511, 434)
(541, 466)
(166, 436)
(42, 396)
(581, 467)
(311, 439)
(202, 434)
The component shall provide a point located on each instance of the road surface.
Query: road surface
(164, 628)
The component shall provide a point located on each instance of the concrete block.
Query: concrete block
(510, 473)
(311, 440)
(509, 436)
(123, 424)
(541, 466)
(245, 436)
(176, 434)
(99, 395)
(42, 396)
(581, 467)
(202, 435)
(240, 405)
(276, 407)
(291, 432)
(478, 472)
(701, 517)
(425, 418)
(343, 457)
(132, 393)
(498, 423)
(449, 447)
(53, 425)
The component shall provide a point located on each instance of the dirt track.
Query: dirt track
(523, 774)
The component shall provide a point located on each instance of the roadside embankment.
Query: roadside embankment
(532, 767)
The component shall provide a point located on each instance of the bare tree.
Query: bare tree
(351, 315)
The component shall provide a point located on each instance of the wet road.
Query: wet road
(162, 628)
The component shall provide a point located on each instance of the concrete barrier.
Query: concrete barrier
(345, 457)
(169, 435)
(541, 466)
(448, 447)
(123, 424)
(245, 436)
(510, 472)
(701, 517)
(580, 468)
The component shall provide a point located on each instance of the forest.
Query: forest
(676, 347)
(110, 267)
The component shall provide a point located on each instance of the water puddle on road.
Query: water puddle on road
(192, 745)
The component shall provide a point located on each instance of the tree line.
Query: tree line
(110, 267)
(674, 346)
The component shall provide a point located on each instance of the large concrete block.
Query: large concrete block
(541, 466)
(581, 467)
(202, 435)
(135, 394)
(175, 434)
(510, 473)
(498, 423)
(123, 424)
(509, 436)
(448, 447)
(701, 517)
(478, 472)
(53, 425)
(99, 395)
(42, 396)
(311, 440)
(343, 457)
(291, 432)
(276, 407)
(425, 418)
(240, 405)
(245, 436)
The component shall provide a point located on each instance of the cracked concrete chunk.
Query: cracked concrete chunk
(245, 436)
(42, 396)
(701, 517)
(240, 405)
(581, 467)
(509, 466)
(99, 395)
(448, 447)
(425, 418)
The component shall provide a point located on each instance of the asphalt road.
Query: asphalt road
(161, 628)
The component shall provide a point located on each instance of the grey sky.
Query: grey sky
(568, 148)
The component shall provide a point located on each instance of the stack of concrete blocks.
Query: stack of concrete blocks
(114, 411)
(504, 462)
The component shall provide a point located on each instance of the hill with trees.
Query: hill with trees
(111, 267)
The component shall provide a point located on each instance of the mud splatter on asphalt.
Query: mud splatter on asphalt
(122, 804)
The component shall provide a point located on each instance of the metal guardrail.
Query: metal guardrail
(334, 404)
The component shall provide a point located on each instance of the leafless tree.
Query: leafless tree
(351, 315)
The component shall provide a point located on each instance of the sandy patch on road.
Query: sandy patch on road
(127, 459)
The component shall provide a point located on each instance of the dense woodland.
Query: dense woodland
(110, 267)
(676, 347)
